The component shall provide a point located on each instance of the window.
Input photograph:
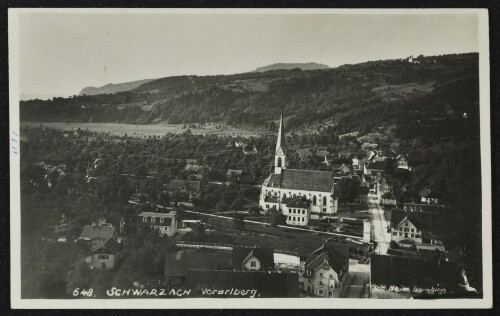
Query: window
(145, 219)
(304, 212)
(321, 275)
(165, 227)
(324, 209)
(320, 282)
(406, 223)
(279, 162)
(314, 200)
(320, 292)
(394, 234)
(289, 218)
(253, 264)
(400, 234)
(161, 220)
(102, 256)
(331, 276)
(267, 205)
(324, 200)
(417, 236)
(412, 236)
(412, 230)
(406, 229)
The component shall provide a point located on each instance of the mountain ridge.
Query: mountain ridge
(113, 87)
(288, 66)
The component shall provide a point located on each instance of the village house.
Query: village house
(102, 244)
(362, 197)
(104, 253)
(428, 196)
(164, 223)
(427, 230)
(233, 175)
(402, 162)
(297, 211)
(424, 207)
(374, 168)
(112, 219)
(358, 162)
(388, 199)
(192, 188)
(325, 270)
(313, 185)
(253, 259)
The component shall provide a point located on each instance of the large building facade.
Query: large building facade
(284, 186)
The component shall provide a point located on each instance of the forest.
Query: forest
(338, 100)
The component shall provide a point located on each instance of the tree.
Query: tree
(347, 190)
(239, 224)
(277, 218)
(199, 232)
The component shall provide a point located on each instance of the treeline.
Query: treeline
(344, 95)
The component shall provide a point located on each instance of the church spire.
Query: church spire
(280, 144)
(280, 155)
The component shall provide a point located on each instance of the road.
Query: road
(355, 280)
(379, 225)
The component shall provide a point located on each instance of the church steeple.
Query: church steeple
(280, 154)
(280, 144)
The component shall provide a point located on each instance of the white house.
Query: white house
(429, 197)
(325, 271)
(297, 212)
(164, 223)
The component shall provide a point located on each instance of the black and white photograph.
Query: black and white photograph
(215, 158)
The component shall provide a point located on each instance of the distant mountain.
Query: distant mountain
(114, 88)
(302, 66)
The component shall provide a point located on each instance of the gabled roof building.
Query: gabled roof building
(313, 185)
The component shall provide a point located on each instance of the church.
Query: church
(299, 194)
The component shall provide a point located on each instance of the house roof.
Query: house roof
(307, 180)
(100, 232)
(267, 284)
(154, 214)
(376, 165)
(338, 255)
(303, 152)
(265, 256)
(109, 245)
(233, 171)
(388, 195)
(184, 185)
(424, 192)
(298, 203)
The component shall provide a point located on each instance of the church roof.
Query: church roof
(307, 180)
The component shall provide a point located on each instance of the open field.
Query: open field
(159, 129)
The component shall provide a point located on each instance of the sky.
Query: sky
(61, 53)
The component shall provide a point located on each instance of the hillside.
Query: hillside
(301, 66)
(427, 97)
(113, 88)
